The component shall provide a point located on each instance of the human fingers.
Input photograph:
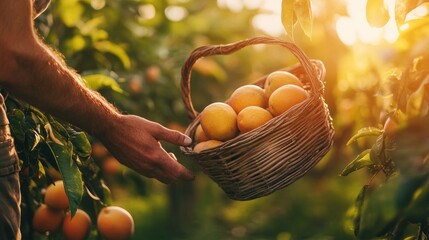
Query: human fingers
(164, 167)
(173, 169)
(181, 172)
(172, 136)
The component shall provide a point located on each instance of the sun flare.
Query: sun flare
(351, 28)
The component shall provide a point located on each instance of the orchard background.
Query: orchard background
(131, 52)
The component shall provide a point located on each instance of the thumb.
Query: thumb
(174, 136)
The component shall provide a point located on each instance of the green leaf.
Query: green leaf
(72, 177)
(81, 143)
(377, 14)
(32, 139)
(416, 105)
(302, 10)
(364, 132)
(75, 44)
(386, 204)
(379, 211)
(17, 119)
(59, 130)
(361, 161)
(418, 210)
(70, 12)
(358, 208)
(288, 16)
(408, 185)
(412, 147)
(376, 149)
(91, 26)
(98, 81)
(116, 50)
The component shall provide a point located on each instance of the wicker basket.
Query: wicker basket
(269, 158)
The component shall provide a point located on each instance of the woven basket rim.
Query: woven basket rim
(225, 49)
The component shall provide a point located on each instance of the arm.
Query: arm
(31, 71)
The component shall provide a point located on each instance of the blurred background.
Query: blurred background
(131, 51)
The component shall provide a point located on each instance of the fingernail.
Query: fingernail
(187, 141)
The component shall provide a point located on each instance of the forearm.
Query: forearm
(46, 82)
(31, 72)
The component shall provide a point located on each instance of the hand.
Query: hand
(134, 141)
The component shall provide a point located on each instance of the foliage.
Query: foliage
(132, 51)
(392, 207)
(48, 150)
(294, 11)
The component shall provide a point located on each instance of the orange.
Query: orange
(153, 74)
(116, 223)
(252, 117)
(78, 227)
(279, 78)
(135, 85)
(286, 97)
(219, 121)
(47, 219)
(206, 145)
(247, 95)
(99, 151)
(56, 197)
(111, 166)
(199, 135)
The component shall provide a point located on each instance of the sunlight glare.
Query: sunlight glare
(346, 34)
(147, 11)
(233, 5)
(269, 24)
(98, 4)
(351, 29)
(418, 12)
(355, 27)
(269, 21)
(175, 13)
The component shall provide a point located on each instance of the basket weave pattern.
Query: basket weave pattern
(273, 156)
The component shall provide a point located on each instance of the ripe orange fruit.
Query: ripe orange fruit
(252, 117)
(247, 95)
(153, 73)
(285, 97)
(219, 121)
(116, 223)
(279, 78)
(135, 85)
(78, 227)
(56, 197)
(99, 151)
(47, 219)
(390, 126)
(199, 135)
(206, 145)
(111, 166)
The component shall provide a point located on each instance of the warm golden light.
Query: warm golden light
(351, 29)
(354, 28)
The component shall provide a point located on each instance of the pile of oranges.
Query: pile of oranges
(53, 215)
(248, 108)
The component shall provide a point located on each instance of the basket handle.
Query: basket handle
(225, 49)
